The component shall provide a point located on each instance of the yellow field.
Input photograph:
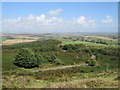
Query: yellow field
(100, 37)
(14, 41)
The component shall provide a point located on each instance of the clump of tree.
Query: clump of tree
(26, 58)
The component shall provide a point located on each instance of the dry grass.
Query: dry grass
(16, 82)
(86, 83)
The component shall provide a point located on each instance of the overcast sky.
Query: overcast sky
(42, 17)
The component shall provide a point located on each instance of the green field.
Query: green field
(2, 39)
(59, 52)
(82, 42)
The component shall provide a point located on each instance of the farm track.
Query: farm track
(60, 67)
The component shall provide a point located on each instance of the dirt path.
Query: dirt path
(60, 67)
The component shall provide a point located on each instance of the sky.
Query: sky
(50, 17)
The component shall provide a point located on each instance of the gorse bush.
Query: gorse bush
(70, 47)
(26, 58)
(53, 59)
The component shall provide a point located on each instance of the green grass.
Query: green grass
(7, 60)
(2, 39)
(86, 43)
(68, 58)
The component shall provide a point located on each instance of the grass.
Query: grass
(86, 83)
(90, 80)
(104, 79)
(7, 60)
(85, 43)
(38, 84)
(64, 42)
(78, 42)
(2, 39)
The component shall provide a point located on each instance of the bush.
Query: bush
(40, 58)
(75, 47)
(53, 59)
(26, 58)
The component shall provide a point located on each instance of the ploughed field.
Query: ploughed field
(66, 61)
(14, 39)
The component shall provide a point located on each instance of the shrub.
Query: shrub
(26, 58)
(75, 47)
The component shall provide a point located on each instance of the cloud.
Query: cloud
(41, 20)
(107, 20)
(45, 23)
(32, 23)
(84, 21)
(55, 12)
